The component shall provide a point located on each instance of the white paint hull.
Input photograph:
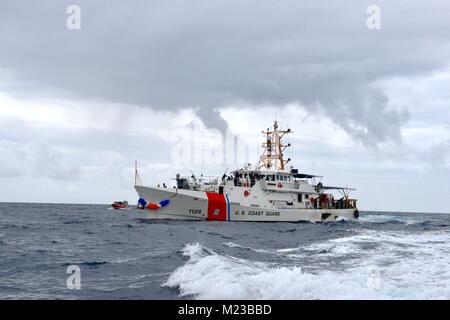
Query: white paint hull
(196, 205)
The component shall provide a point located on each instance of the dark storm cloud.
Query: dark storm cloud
(211, 54)
(212, 119)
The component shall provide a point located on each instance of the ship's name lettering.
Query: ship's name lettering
(255, 213)
(262, 213)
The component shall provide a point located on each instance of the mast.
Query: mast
(137, 178)
(272, 156)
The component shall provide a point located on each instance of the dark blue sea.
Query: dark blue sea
(121, 255)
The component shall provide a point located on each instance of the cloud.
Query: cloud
(38, 159)
(439, 154)
(209, 55)
(212, 119)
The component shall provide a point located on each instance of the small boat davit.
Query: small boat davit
(271, 191)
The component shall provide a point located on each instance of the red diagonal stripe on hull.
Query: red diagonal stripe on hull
(216, 204)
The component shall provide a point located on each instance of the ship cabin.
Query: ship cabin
(248, 178)
(311, 195)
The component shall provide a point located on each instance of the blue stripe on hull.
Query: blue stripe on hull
(228, 207)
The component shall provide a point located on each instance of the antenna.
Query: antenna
(272, 156)
(137, 178)
(289, 143)
(224, 176)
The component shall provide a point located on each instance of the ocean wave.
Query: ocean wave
(89, 264)
(379, 244)
(231, 244)
(267, 251)
(219, 235)
(384, 218)
(401, 266)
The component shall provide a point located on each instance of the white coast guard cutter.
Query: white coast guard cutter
(268, 192)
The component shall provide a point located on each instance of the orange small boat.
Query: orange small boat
(120, 205)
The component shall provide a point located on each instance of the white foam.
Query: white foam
(270, 251)
(381, 218)
(407, 266)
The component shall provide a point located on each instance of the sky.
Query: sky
(162, 82)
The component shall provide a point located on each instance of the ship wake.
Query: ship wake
(376, 265)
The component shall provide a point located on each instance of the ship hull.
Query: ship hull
(196, 205)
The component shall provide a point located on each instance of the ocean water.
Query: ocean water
(123, 256)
